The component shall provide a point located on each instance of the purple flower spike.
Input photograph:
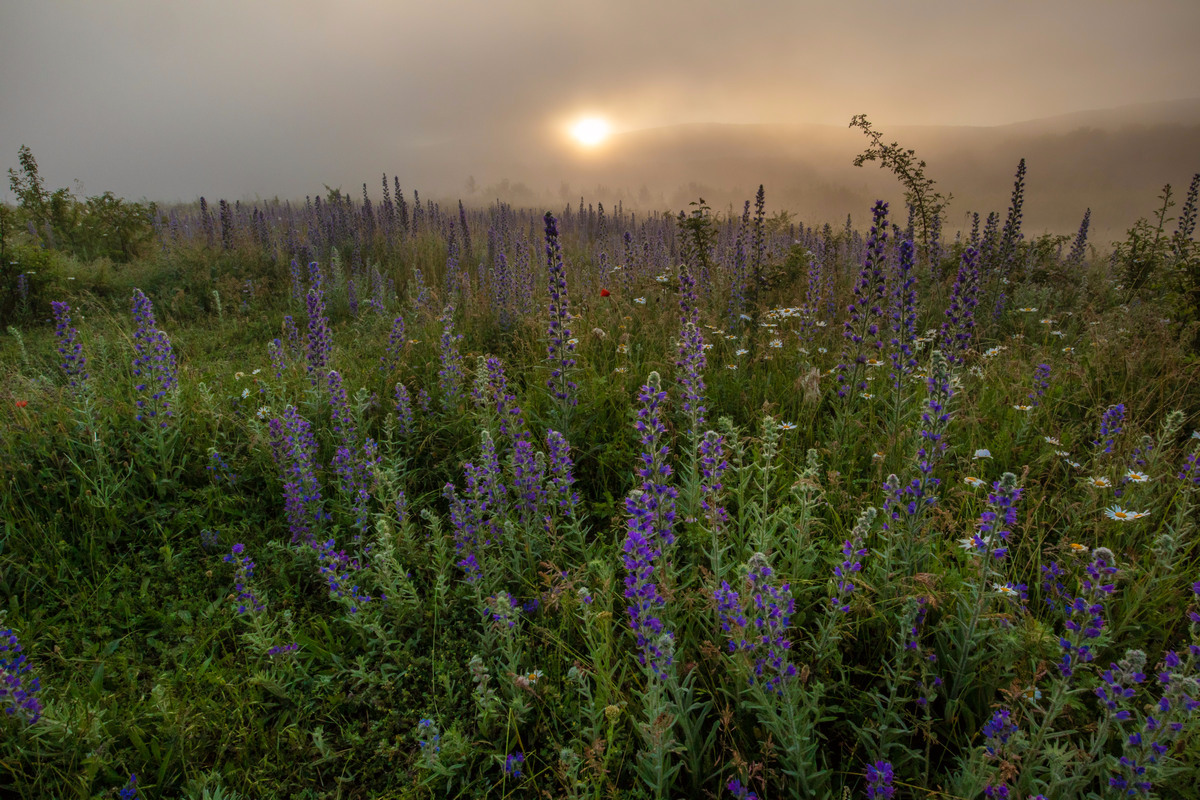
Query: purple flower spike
(247, 601)
(74, 365)
(879, 781)
(651, 510)
(561, 348)
(153, 364)
(17, 687)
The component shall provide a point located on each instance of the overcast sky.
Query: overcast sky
(244, 98)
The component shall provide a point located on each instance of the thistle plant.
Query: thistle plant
(404, 411)
(903, 313)
(845, 573)
(1079, 246)
(96, 469)
(712, 465)
(155, 369)
(249, 605)
(1083, 614)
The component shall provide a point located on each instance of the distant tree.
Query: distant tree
(930, 205)
(104, 226)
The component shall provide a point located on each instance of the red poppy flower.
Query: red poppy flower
(22, 403)
(605, 292)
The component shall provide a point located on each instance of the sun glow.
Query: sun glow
(590, 131)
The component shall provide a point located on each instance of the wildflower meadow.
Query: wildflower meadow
(381, 497)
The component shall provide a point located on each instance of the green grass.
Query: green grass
(146, 668)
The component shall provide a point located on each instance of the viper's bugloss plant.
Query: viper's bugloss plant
(247, 601)
(70, 350)
(154, 364)
(957, 333)
(319, 345)
(18, 686)
(451, 375)
(560, 348)
(295, 448)
(650, 535)
(862, 329)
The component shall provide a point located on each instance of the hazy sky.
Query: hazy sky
(238, 98)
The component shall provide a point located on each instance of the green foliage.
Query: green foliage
(99, 227)
(1143, 256)
(1155, 264)
(146, 666)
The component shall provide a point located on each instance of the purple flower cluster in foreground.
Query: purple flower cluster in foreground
(879, 781)
(739, 790)
(153, 364)
(70, 350)
(248, 602)
(1110, 427)
(649, 533)
(758, 623)
(18, 689)
(295, 451)
(1083, 612)
(320, 338)
(853, 549)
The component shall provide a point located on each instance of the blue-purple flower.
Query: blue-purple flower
(247, 600)
(879, 781)
(560, 348)
(153, 364)
(70, 350)
(18, 688)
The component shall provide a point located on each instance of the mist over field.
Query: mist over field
(473, 100)
(1114, 161)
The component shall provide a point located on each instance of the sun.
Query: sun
(590, 131)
